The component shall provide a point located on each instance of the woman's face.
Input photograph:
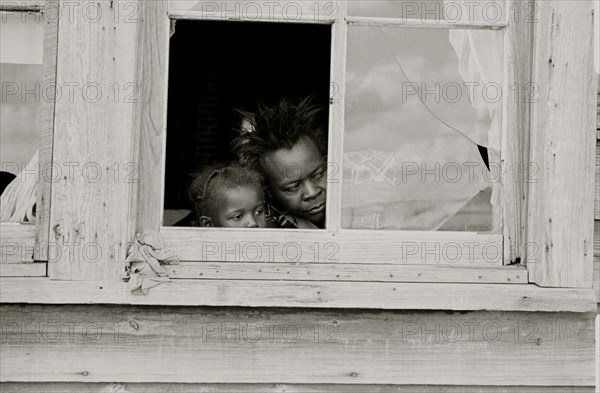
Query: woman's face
(297, 178)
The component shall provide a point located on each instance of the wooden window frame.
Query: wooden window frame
(548, 284)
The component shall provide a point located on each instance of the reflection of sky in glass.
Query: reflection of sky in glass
(431, 10)
(380, 102)
(385, 121)
(21, 39)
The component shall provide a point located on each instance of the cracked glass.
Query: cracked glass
(423, 110)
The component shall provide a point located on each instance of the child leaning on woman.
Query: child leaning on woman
(229, 195)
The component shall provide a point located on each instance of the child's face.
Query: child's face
(298, 180)
(241, 207)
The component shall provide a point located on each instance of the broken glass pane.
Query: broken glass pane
(422, 129)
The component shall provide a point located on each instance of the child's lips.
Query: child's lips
(316, 209)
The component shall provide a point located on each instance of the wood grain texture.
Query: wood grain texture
(208, 345)
(516, 134)
(152, 50)
(93, 168)
(597, 184)
(17, 242)
(420, 23)
(286, 11)
(75, 387)
(250, 16)
(597, 237)
(23, 5)
(347, 272)
(347, 246)
(562, 145)
(597, 207)
(46, 131)
(23, 269)
(337, 103)
(317, 294)
(597, 276)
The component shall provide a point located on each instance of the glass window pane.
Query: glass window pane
(21, 73)
(492, 11)
(422, 124)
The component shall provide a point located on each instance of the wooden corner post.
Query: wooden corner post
(561, 195)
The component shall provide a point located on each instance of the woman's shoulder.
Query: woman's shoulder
(301, 223)
(283, 220)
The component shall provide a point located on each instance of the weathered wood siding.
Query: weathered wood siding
(135, 344)
(121, 349)
(562, 145)
(597, 208)
(274, 388)
(93, 144)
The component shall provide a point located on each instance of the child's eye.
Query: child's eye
(237, 217)
(260, 211)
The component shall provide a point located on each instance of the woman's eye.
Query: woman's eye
(292, 188)
(318, 175)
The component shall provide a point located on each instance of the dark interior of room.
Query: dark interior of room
(218, 67)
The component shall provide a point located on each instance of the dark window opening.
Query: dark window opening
(218, 67)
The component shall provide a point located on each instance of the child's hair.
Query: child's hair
(208, 185)
(276, 127)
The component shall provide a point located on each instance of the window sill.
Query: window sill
(306, 294)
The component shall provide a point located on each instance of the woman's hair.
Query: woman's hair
(207, 185)
(276, 127)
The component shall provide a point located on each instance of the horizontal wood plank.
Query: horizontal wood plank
(249, 17)
(18, 242)
(23, 269)
(423, 23)
(347, 246)
(318, 11)
(74, 387)
(208, 345)
(22, 6)
(346, 272)
(317, 294)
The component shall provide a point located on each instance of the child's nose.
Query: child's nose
(252, 223)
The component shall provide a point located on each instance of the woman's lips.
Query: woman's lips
(317, 209)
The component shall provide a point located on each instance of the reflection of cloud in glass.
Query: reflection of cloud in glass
(21, 38)
(409, 9)
(432, 10)
(377, 91)
(19, 118)
(21, 56)
(383, 115)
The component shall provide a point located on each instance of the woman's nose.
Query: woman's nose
(311, 190)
